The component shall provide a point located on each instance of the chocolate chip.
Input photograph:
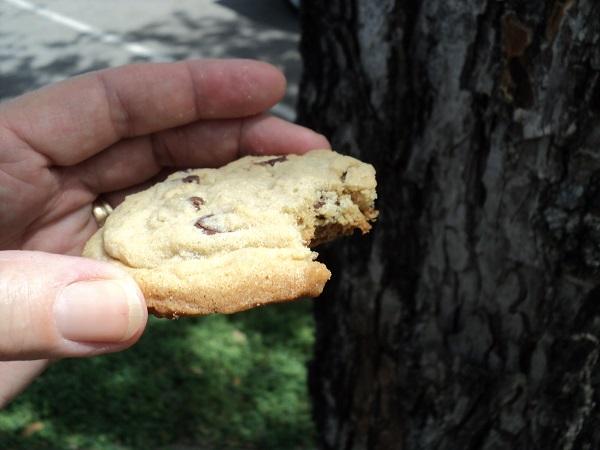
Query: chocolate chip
(343, 177)
(272, 162)
(191, 179)
(207, 229)
(319, 204)
(197, 202)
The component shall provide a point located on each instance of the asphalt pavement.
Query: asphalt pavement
(45, 41)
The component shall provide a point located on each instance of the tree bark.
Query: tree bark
(470, 317)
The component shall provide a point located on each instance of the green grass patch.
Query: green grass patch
(222, 382)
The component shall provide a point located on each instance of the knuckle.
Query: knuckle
(23, 329)
(14, 294)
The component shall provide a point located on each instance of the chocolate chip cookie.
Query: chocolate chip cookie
(224, 240)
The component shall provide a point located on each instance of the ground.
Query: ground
(45, 41)
(220, 382)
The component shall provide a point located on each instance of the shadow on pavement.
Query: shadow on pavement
(59, 60)
(27, 76)
(183, 36)
(218, 37)
(266, 30)
(275, 13)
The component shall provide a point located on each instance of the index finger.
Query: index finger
(72, 120)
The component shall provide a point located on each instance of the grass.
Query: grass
(222, 382)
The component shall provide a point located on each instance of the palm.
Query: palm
(46, 211)
(107, 132)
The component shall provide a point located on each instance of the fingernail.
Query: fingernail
(99, 311)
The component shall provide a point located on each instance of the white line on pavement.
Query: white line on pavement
(282, 110)
(109, 38)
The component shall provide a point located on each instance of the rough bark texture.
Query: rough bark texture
(470, 317)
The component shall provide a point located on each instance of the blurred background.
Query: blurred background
(46, 41)
(222, 382)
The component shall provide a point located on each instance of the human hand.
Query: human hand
(108, 133)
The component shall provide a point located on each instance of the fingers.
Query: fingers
(72, 120)
(210, 143)
(16, 375)
(272, 136)
(54, 306)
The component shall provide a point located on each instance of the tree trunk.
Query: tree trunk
(470, 317)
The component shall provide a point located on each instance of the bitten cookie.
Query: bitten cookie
(224, 240)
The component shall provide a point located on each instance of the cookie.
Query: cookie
(224, 240)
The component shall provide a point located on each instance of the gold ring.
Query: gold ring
(101, 209)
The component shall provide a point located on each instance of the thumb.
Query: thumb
(55, 306)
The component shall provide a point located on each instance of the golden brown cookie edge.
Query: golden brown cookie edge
(168, 295)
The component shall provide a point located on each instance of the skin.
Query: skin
(110, 133)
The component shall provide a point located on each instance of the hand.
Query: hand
(108, 132)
